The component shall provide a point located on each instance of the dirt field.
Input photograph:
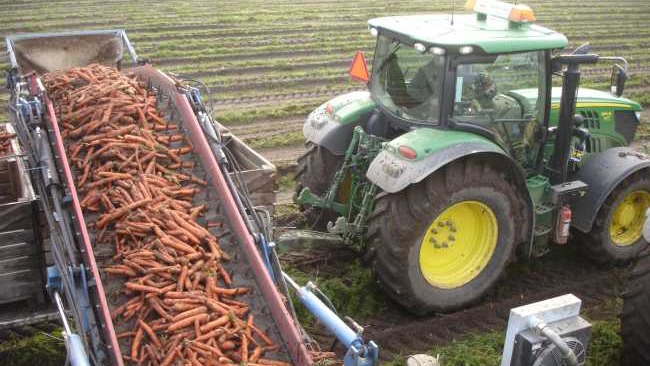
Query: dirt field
(268, 63)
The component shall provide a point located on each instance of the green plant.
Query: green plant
(353, 291)
(40, 349)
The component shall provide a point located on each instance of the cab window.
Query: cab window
(506, 96)
(405, 82)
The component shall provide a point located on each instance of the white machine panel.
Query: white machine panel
(548, 311)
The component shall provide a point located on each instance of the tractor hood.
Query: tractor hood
(586, 98)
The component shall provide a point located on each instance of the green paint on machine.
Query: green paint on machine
(492, 35)
(428, 141)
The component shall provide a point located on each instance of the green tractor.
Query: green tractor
(463, 154)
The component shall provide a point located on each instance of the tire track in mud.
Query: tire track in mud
(398, 332)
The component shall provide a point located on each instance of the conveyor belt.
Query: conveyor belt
(246, 265)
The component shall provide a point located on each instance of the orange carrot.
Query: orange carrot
(186, 322)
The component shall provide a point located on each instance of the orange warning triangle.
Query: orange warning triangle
(359, 68)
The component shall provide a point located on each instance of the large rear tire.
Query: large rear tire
(441, 244)
(316, 169)
(635, 317)
(616, 236)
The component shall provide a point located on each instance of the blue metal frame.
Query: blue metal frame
(76, 350)
(360, 352)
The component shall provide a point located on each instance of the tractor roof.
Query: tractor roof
(492, 35)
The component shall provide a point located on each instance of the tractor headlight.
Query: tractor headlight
(318, 122)
(374, 31)
(392, 168)
(439, 51)
(420, 47)
(638, 116)
(465, 50)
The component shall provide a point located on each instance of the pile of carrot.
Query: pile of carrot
(5, 142)
(128, 162)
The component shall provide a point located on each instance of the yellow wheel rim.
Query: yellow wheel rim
(626, 225)
(458, 244)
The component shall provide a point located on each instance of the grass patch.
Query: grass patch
(485, 349)
(353, 291)
(40, 349)
(239, 117)
(287, 139)
(287, 182)
(286, 210)
(606, 344)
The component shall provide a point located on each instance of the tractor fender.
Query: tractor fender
(332, 123)
(603, 173)
(435, 149)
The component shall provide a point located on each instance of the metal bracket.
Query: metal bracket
(355, 357)
(307, 198)
(360, 352)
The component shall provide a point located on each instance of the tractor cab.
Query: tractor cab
(471, 72)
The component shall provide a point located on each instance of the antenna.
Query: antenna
(453, 5)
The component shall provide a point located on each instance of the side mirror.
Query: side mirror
(617, 84)
(582, 50)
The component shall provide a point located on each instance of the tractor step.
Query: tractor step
(541, 209)
(542, 230)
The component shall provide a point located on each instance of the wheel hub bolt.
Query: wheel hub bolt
(445, 245)
(434, 231)
(452, 238)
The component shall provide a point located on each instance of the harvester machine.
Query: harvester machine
(464, 154)
(73, 269)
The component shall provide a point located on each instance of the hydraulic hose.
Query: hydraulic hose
(544, 330)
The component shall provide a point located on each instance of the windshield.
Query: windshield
(506, 95)
(406, 82)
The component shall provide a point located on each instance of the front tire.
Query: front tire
(616, 236)
(316, 169)
(442, 243)
(635, 317)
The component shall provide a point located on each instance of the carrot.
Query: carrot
(263, 336)
(159, 309)
(230, 291)
(176, 244)
(243, 348)
(150, 333)
(121, 271)
(186, 322)
(227, 345)
(263, 361)
(152, 355)
(221, 321)
(141, 288)
(84, 176)
(104, 219)
(257, 353)
(190, 313)
(135, 345)
(169, 358)
(215, 306)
